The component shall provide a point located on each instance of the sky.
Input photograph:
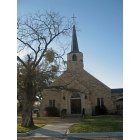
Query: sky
(99, 33)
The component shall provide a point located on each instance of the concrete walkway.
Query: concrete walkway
(59, 128)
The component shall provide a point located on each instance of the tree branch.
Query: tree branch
(20, 60)
(48, 44)
(25, 43)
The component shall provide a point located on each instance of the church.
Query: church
(78, 89)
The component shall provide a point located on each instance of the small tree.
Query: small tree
(34, 35)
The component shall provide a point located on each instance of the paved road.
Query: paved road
(69, 138)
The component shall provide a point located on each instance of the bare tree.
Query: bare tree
(34, 35)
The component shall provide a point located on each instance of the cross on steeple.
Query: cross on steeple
(74, 43)
(73, 17)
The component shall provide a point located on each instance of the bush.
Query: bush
(63, 113)
(100, 110)
(52, 112)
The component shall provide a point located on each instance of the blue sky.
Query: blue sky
(100, 35)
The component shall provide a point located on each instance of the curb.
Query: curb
(80, 135)
(97, 134)
(24, 134)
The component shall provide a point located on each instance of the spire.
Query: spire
(74, 43)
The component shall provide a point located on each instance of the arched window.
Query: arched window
(74, 58)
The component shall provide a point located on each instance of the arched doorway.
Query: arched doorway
(75, 102)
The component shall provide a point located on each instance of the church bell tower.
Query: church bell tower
(75, 57)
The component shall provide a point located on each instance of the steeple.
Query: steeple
(74, 43)
(75, 57)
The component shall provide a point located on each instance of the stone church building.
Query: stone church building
(76, 89)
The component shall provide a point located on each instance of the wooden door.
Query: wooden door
(75, 106)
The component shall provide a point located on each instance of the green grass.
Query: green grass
(38, 122)
(21, 129)
(104, 123)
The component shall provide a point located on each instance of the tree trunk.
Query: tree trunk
(28, 101)
(27, 119)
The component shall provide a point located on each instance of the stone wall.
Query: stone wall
(83, 83)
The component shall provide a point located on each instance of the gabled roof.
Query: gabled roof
(83, 78)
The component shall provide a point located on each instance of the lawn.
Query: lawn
(39, 122)
(103, 123)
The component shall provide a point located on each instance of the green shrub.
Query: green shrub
(52, 112)
(100, 110)
(63, 113)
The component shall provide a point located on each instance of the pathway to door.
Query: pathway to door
(58, 128)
